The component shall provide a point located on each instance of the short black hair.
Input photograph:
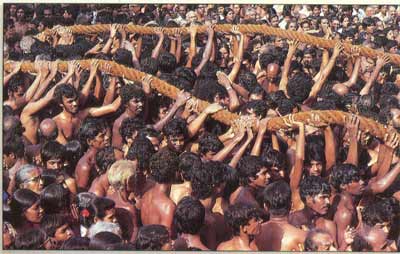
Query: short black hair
(124, 57)
(51, 150)
(166, 62)
(141, 150)
(189, 216)
(277, 197)
(14, 145)
(209, 143)
(248, 80)
(188, 163)
(100, 205)
(129, 126)
(51, 222)
(259, 108)
(54, 198)
(128, 92)
(76, 243)
(311, 186)
(163, 166)
(299, 87)
(32, 239)
(378, 210)
(239, 215)
(265, 59)
(105, 157)
(176, 127)
(344, 174)
(65, 90)
(90, 128)
(149, 65)
(152, 237)
(248, 167)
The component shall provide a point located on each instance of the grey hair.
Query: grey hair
(24, 172)
(102, 226)
(43, 57)
(26, 44)
(84, 199)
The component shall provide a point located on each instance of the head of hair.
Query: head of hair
(105, 157)
(210, 143)
(309, 244)
(239, 215)
(299, 87)
(120, 172)
(248, 80)
(64, 90)
(188, 163)
(344, 174)
(124, 57)
(102, 226)
(90, 128)
(104, 240)
(286, 106)
(163, 166)
(248, 167)
(50, 151)
(277, 197)
(15, 146)
(76, 243)
(378, 210)
(24, 173)
(51, 222)
(141, 150)
(311, 186)
(166, 62)
(149, 65)
(189, 216)
(54, 198)
(31, 240)
(152, 237)
(129, 126)
(73, 152)
(100, 205)
(273, 158)
(265, 59)
(21, 200)
(128, 92)
(259, 108)
(176, 127)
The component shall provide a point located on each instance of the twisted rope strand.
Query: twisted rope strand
(277, 123)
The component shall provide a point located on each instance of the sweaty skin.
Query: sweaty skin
(47, 127)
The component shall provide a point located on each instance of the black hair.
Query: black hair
(100, 205)
(273, 158)
(15, 146)
(248, 80)
(286, 106)
(124, 57)
(141, 150)
(104, 241)
(378, 210)
(54, 198)
(265, 59)
(299, 87)
(65, 90)
(209, 143)
(188, 163)
(314, 152)
(186, 73)
(312, 186)
(21, 200)
(259, 108)
(105, 157)
(202, 183)
(344, 174)
(51, 222)
(50, 151)
(239, 215)
(30, 240)
(277, 197)
(90, 128)
(360, 244)
(152, 237)
(129, 126)
(73, 151)
(163, 166)
(83, 201)
(149, 65)
(166, 62)
(189, 216)
(76, 243)
(176, 127)
(128, 92)
(248, 167)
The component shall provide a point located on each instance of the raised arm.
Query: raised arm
(380, 62)
(221, 155)
(380, 185)
(181, 100)
(104, 110)
(113, 32)
(196, 124)
(238, 58)
(156, 51)
(262, 129)
(297, 171)
(224, 80)
(110, 93)
(128, 46)
(242, 149)
(286, 66)
(207, 50)
(7, 77)
(84, 94)
(192, 47)
(178, 53)
(386, 151)
(352, 126)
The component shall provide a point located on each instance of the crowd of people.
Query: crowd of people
(93, 161)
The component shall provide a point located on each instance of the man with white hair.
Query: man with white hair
(122, 177)
(103, 226)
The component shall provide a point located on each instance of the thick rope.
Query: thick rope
(261, 29)
(277, 123)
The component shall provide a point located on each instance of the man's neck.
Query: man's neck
(278, 218)
(310, 213)
(163, 187)
(242, 239)
(67, 115)
(129, 113)
(192, 240)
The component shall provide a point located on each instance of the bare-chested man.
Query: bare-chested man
(315, 193)
(105, 157)
(121, 177)
(69, 99)
(245, 223)
(13, 159)
(93, 135)
(271, 84)
(278, 234)
(156, 206)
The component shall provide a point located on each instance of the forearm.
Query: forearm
(233, 100)
(160, 124)
(241, 90)
(352, 156)
(386, 162)
(157, 49)
(138, 49)
(86, 89)
(382, 184)
(172, 48)
(256, 151)
(33, 88)
(285, 72)
(235, 70)
(330, 149)
(371, 81)
(178, 50)
(196, 124)
(221, 155)
(235, 160)
(98, 88)
(206, 54)
(354, 74)
(212, 57)
(110, 93)
(107, 46)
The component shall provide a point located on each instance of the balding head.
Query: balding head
(340, 89)
(272, 71)
(12, 126)
(48, 129)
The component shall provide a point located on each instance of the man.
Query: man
(13, 159)
(319, 240)
(176, 132)
(278, 234)
(21, 26)
(156, 206)
(71, 117)
(105, 157)
(315, 193)
(121, 176)
(245, 223)
(29, 177)
(92, 134)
